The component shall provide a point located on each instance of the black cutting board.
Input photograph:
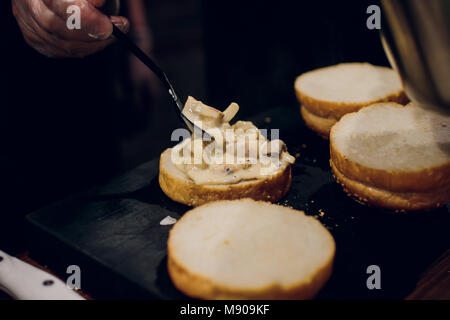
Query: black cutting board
(113, 231)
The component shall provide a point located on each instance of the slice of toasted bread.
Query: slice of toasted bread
(321, 125)
(393, 156)
(177, 186)
(329, 93)
(245, 249)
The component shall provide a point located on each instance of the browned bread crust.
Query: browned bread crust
(181, 189)
(425, 188)
(401, 181)
(336, 110)
(408, 201)
(320, 125)
(197, 286)
(320, 114)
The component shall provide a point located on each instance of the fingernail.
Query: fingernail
(120, 23)
(99, 36)
(117, 21)
(93, 36)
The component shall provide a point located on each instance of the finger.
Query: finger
(37, 42)
(54, 25)
(28, 31)
(83, 49)
(52, 46)
(44, 48)
(49, 45)
(76, 49)
(93, 22)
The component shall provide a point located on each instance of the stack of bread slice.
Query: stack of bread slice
(244, 249)
(327, 94)
(393, 156)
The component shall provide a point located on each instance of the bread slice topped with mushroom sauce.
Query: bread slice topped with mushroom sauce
(236, 161)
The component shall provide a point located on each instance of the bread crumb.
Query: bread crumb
(297, 155)
(303, 146)
(167, 221)
(267, 119)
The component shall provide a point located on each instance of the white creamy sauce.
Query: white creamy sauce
(167, 221)
(236, 153)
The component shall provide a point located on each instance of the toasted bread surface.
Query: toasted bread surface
(319, 124)
(245, 249)
(326, 94)
(347, 87)
(177, 186)
(403, 201)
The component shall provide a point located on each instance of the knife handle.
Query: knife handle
(22, 281)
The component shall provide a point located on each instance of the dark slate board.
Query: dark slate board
(112, 231)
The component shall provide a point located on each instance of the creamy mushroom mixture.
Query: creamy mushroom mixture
(234, 153)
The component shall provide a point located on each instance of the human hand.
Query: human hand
(44, 26)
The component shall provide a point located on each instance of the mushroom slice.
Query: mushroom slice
(288, 158)
(195, 110)
(230, 112)
(201, 109)
(275, 147)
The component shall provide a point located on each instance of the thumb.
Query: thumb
(93, 22)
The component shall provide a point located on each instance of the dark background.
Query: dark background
(66, 124)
